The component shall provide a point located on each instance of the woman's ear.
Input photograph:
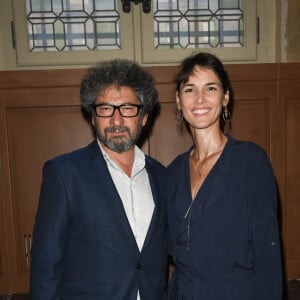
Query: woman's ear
(226, 98)
(178, 105)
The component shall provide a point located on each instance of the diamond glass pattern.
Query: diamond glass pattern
(65, 25)
(198, 24)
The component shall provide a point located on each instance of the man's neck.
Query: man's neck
(124, 159)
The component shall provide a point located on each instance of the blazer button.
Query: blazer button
(138, 266)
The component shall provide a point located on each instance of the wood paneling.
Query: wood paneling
(36, 134)
(289, 133)
(40, 117)
(4, 267)
(168, 140)
(37, 123)
(292, 185)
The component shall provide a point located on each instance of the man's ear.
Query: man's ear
(145, 118)
(93, 119)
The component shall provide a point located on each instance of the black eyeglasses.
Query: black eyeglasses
(127, 110)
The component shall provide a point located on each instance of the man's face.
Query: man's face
(116, 132)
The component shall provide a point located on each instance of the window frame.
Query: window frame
(137, 45)
(52, 58)
(228, 54)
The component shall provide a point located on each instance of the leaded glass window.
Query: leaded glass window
(198, 24)
(64, 25)
(60, 32)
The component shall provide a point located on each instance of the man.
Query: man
(100, 226)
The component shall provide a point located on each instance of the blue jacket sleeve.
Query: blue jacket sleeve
(264, 231)
(49, 236)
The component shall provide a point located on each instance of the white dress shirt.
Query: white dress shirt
(135, 193)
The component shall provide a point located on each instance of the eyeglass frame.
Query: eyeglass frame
(118, 107)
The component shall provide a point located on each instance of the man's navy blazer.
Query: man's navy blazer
(83, 246)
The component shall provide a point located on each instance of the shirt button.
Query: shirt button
(138, 266)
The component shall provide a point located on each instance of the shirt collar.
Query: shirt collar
(138, 162)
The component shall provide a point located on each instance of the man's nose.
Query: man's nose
(116, 118)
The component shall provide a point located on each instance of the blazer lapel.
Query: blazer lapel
(216, 181)
(157, 209)
(108, 192)
(209, 192)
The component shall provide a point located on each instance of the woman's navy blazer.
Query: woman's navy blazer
(228, 246)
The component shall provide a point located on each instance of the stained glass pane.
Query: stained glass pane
(198, 24)
(65, 25)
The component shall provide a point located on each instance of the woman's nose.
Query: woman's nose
(200, 96)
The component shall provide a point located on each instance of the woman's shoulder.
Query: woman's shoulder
(248, 150)
(180, 159)
(246, 146)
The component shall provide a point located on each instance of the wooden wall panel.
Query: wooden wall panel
(37, 123)
(251, 122)
(292, 206)
(255, 96)
(168, 140)
(289, 178)
(4, 267)
(289, 103)
(36, 134)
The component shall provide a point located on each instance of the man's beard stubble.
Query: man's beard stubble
(118, 144)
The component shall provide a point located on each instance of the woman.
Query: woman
(222, 199)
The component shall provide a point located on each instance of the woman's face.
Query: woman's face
(201, 99)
